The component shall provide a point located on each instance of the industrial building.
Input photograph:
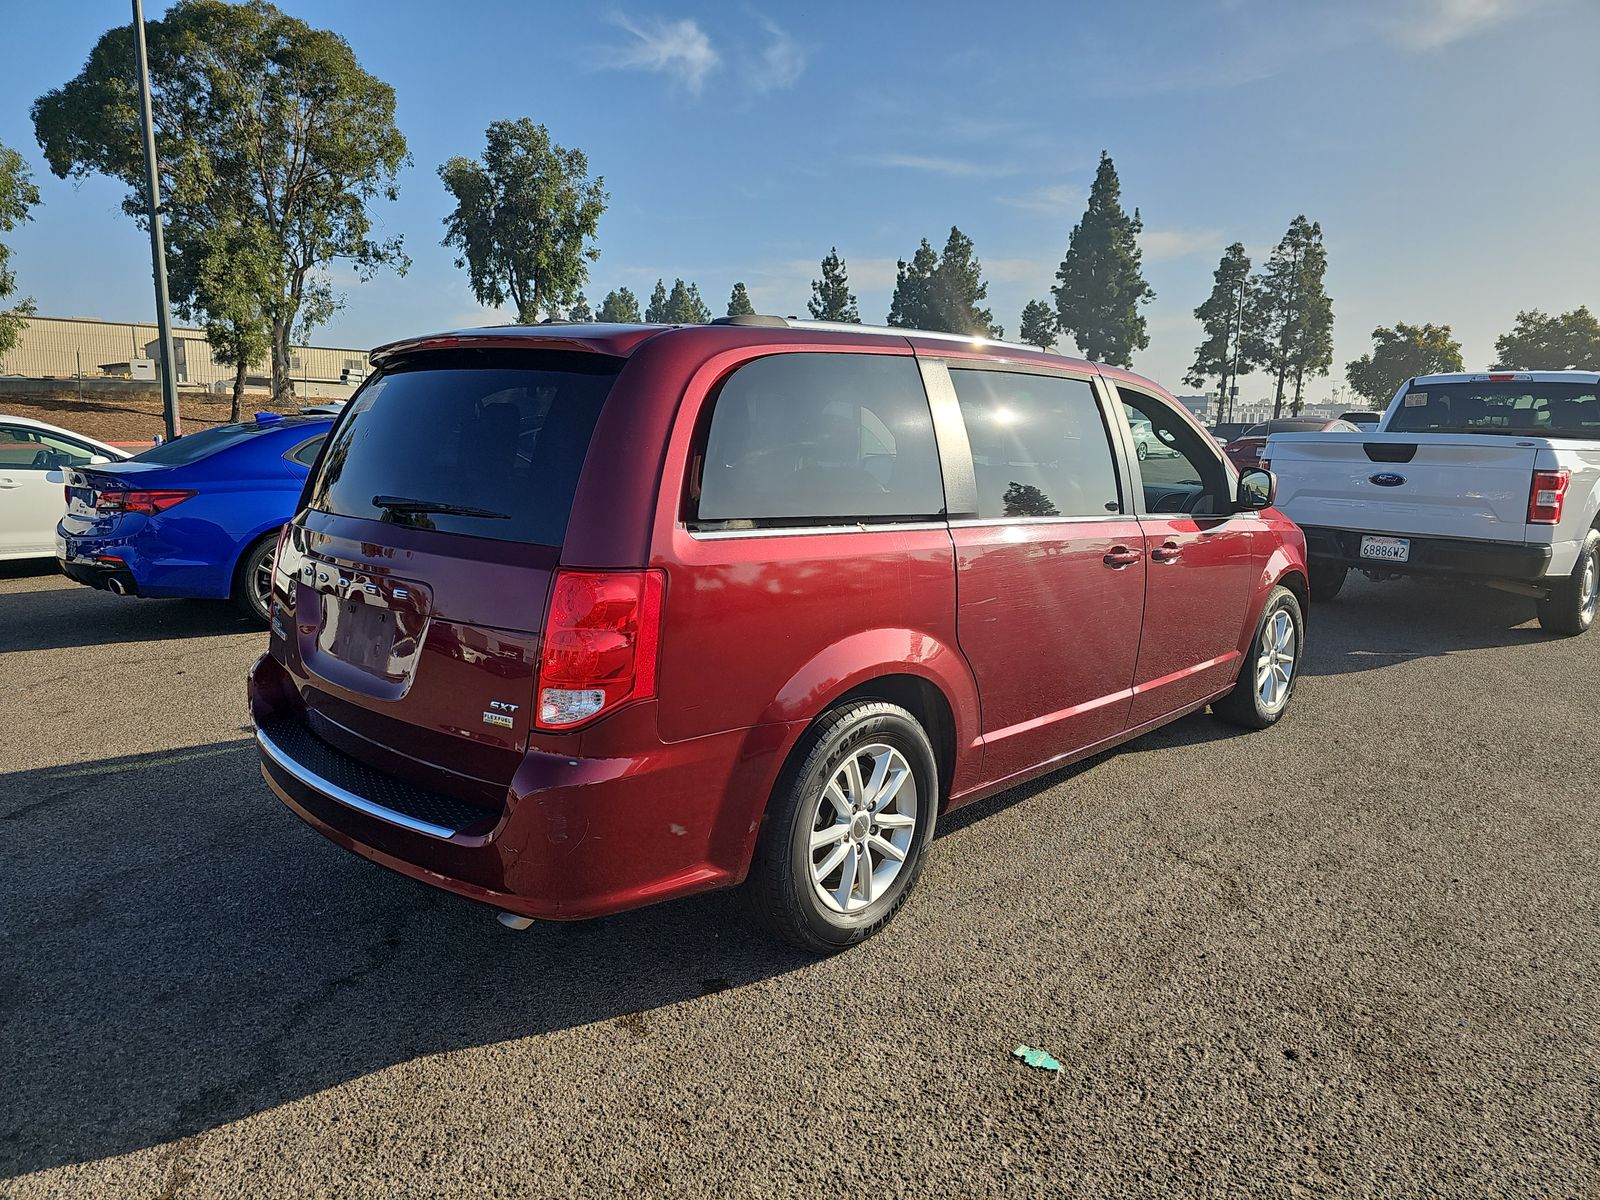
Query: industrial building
(86, 348)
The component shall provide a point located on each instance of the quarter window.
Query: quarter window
(798, 439)
(306, 453)
(1039, 445)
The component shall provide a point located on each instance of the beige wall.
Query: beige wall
(54, 348)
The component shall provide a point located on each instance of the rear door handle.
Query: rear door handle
(1120, 556)
(1170, 552)
(9, 483)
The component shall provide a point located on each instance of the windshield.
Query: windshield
(1503, 406)
(452, 436)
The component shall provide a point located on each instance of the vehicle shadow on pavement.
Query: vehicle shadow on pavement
(63, 613)
(1372, 625)
(180, 951)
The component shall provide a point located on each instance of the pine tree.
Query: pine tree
(656, 312)
(1101, 287)
(684, 306)
(580, 310)
(739, 302)
(1221, 356)
(621, 306)
(831, 298)
(957, 289)
(911, 307)
(1291, 314)
(1039, 324)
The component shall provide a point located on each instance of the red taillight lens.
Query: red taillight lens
(1548, 494)
(599, 646)
(121, 500)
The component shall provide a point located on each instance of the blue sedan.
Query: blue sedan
(198, 516)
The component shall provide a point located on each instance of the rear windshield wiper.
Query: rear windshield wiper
(404, 504)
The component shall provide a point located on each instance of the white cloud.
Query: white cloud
(1158, 245)
(1054, 198)
(1429, 24)
(939, 166)
(780, 63)
(678, 49)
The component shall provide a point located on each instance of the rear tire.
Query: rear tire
(1327, 579)
(1271, 667)
(1570, 608)
(252, 580)
(862, 784)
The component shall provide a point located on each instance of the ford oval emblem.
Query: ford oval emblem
(1387, 479)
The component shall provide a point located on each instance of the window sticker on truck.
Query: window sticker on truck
(1416, 399)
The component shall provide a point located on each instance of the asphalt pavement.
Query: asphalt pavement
(1356, 954)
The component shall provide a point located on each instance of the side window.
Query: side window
(1180, 473)
(34, 450)
(306, 453)
(798, 439)
(1039, 445)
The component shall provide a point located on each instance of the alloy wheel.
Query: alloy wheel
(1275, 661)
(862, 827)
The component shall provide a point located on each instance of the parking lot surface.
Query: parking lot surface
(1355, 954)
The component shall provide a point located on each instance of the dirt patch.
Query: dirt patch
(127, 416)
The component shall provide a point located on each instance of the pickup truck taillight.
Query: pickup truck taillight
(1547, 495)
(599, 646)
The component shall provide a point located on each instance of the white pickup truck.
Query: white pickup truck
(1493, 477)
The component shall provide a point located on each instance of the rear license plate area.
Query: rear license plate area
(359, 633)
(1386, 549)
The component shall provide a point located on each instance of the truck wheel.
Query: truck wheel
(1327, 579)
(1570, 607)
(847, 829)
(1271, 666)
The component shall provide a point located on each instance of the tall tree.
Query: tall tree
(1221, 356)
(1100, 284)
(621, 306)
(219, 279)
(684, 306)
(739, 302)
(1039, 324)
(1544, 343)
(1401, 353)
(257, 115)
(831, 298)
(911, 304)
(958, 289)
(580, 310)
(524, 220)
(17, 196)
(1292, 317)
(656, 312)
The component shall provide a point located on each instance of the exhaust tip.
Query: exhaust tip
(116, 587)
(513, 921)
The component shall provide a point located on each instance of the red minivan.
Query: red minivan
(576, 618)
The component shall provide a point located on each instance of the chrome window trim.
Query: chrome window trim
(348, 798)
(972, 522)
(717, 535)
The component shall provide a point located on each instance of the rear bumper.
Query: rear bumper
(578, 835)
(1433, 556)
(102, 575)
(144, 563)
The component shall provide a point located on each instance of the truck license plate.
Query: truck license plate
(1388, 549)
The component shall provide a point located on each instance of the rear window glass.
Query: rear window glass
(484, 443)
(804, 438)
(1039, 445)
(192, 447)
(1509, 406)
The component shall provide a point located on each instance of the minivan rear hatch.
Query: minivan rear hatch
(422, 557)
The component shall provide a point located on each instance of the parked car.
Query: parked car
(1493, 477)
(33, 459)
(573, 619)
(1246, 450)
(196, 516)
(1225, 431)
(1147, 443)
(1362, 419)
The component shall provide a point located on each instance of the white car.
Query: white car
(1146, 443)
(33, 459)
(1494, 477)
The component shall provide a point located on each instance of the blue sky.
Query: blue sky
(1448, 147)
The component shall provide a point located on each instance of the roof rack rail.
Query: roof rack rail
(757, 319)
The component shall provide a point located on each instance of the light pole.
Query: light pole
(158, 249)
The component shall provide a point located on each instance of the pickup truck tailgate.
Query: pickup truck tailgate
(1436, 485)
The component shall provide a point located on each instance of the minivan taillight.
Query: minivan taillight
(115, 500)
(599, 645)
(1548, 494)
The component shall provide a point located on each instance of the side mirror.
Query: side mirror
(1258, 488)
(98, 460)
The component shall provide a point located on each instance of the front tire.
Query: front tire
(252, 581)
(1570, 608)
(847, 828)
(1271, 668)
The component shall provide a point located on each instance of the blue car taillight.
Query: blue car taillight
(123, 500)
